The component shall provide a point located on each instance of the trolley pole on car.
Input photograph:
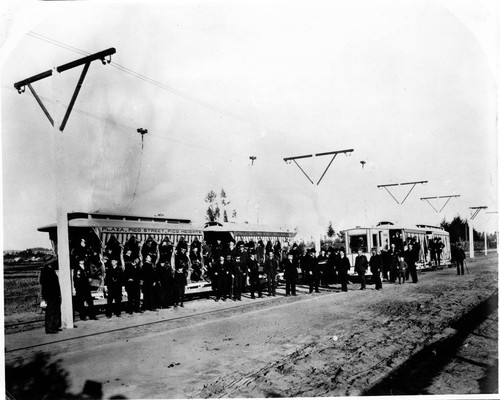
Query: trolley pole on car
(62, 249)
(474, 214)
(317, 237)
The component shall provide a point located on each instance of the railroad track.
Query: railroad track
(158, 325)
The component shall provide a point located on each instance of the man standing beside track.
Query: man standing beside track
(181, 268)
(290, 269)
(343, 269)
(148, 284)
(322, 264)
(253, 271)
(114, 282)
(132, 279)
(237, 275)
(411, 258)
(313, 270)
(360, 266)
(51, 293)
(459, 259)
(376, 267)
(271, 269)
(82, 292)
(392, 258)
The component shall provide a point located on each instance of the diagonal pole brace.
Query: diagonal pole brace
(442, 208)
(307, 176)
(385, 187)
(39, 101)
(75, 95)
(431, 205)
(333, 158)
(415, 184)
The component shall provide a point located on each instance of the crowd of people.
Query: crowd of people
(160, 272)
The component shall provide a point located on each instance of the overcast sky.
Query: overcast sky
(410, 86)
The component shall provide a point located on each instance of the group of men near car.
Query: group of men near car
(161, 272)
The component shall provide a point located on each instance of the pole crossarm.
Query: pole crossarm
(20, 86)
(385, 186)
(334, 153)
(476, 211)
(449, 197)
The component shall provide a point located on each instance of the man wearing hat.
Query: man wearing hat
(290, 274)
(313, 270)
(271, 269)
(237, 275)
(253, 272)
(360, 266)
(82, 292)
(181, 269)
(114, 282)
(51, 293)
(375, 264)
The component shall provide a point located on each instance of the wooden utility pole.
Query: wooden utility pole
(62, 250)
(471, 228)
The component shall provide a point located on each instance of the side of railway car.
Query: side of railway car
(103, 234)
(385, 234)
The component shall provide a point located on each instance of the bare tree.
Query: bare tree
(213, 210)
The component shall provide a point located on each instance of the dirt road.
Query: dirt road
(327, 344)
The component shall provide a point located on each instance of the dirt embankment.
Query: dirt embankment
(367, 339)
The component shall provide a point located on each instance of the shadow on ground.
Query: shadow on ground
(43, 378)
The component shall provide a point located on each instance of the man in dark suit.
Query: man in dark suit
(271, 269)
(82, 288)
(253, 272)
(114, 283)
(375, 264)
(51, 293)
(360, 266)
(290, 269)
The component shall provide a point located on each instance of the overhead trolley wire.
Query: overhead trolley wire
(149, 80)
(128, 127)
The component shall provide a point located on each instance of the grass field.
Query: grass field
(21, 290)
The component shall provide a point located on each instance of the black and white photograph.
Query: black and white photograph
(250, 199)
